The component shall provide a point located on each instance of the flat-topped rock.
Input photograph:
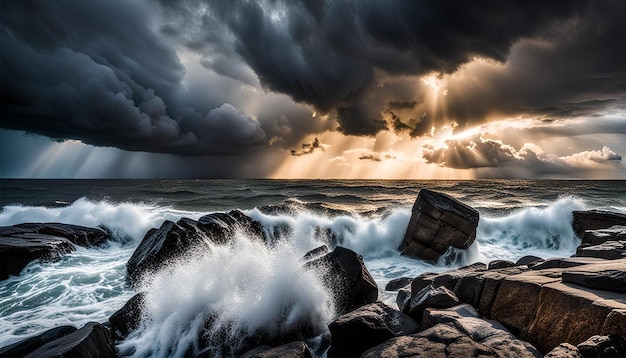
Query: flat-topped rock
(437, 223)
(24, 243)
(93, 340)
(596, 219)
(28, 345)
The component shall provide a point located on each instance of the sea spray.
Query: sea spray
(230, 298)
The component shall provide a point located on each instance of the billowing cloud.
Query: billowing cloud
(477, 151)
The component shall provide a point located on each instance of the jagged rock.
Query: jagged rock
(289, 350)
(165, 244)
(488, 332)
(23, 248)
(28, 345)
(498, 264)
(599, 236)
(93, 340)
(528, 260)
(437, 223)
(398, 283)
(430, 297)
(615, 323)
(403, 298)
(603, 346)
(315, 253)
(596, 219)
(344, 272)
(610, 250)
(128, 318)
(608, 280)
(439, 341)
(367, 326)
(173, 240)
(564, 350)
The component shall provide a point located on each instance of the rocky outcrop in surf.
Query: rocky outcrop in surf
(24, 243)
(437, 223)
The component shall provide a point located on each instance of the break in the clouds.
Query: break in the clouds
(260, 79)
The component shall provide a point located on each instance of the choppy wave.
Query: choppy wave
(253, 286)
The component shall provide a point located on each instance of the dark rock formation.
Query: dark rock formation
(596, 219)
(316, 252)
(608, 280)
(610, 250)
(367, 326)
(564, 350)
(498, 264)
(21, 244)
(173, 240)
(22, 348)
(603, 346)
(437, 223)
(290, 350)
(345, 274)
(398, 283)
(528, 260)
(128, 318)
(93, 340)
(430, 297)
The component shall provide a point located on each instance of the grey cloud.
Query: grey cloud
(371, 157)
(308, 148)
(328, 53)
(99, 72)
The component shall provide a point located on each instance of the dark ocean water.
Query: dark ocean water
(246, 282)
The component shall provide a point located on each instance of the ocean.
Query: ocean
(255, 287)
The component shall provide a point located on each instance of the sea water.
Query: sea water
(249, 288)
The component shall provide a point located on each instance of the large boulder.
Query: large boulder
(128, 318)
(596, 219)
(437, 223)
(431, 296)
(610, 250)
(20, 250)
(28, 345)
(93, 340)
(367, 326)
(603, 346)
(21, 244)
(175, 239)
(345, 274)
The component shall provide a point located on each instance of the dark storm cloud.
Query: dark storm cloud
(327, 53)
(100, 72)
(307, 148)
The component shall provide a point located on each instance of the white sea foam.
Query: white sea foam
(245, 288)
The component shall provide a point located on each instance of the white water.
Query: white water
(254, 287)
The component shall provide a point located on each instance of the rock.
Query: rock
(615, 323)
(344, 272)
(315, 253)
(466, 319)
(289, 350)
(528, 260)
(564, 350)
(608, 280)
(367, 326)
(603, 346)
(22, 348)
(173, 240)
(596, 219)
(79, 235)
(128, 318)
(403, 298)
(437, 223)
(93, 340)
(162, 245)
(599, 236)
(398, 283)
(430, 297)
(610, 250)
(441, 341)
(498, 264)
(221, 227)
(23, 248)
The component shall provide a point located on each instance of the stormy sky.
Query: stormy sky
(313, 89)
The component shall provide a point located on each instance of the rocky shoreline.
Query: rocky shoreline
(559, 307)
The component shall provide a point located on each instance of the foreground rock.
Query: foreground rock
(372, 324)
(568, 302)
(128, 318)
(174, 240)
(24, 243)
(93, 340)
(344, 272)
(437, 223)
(290, 350)
(22, 348)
